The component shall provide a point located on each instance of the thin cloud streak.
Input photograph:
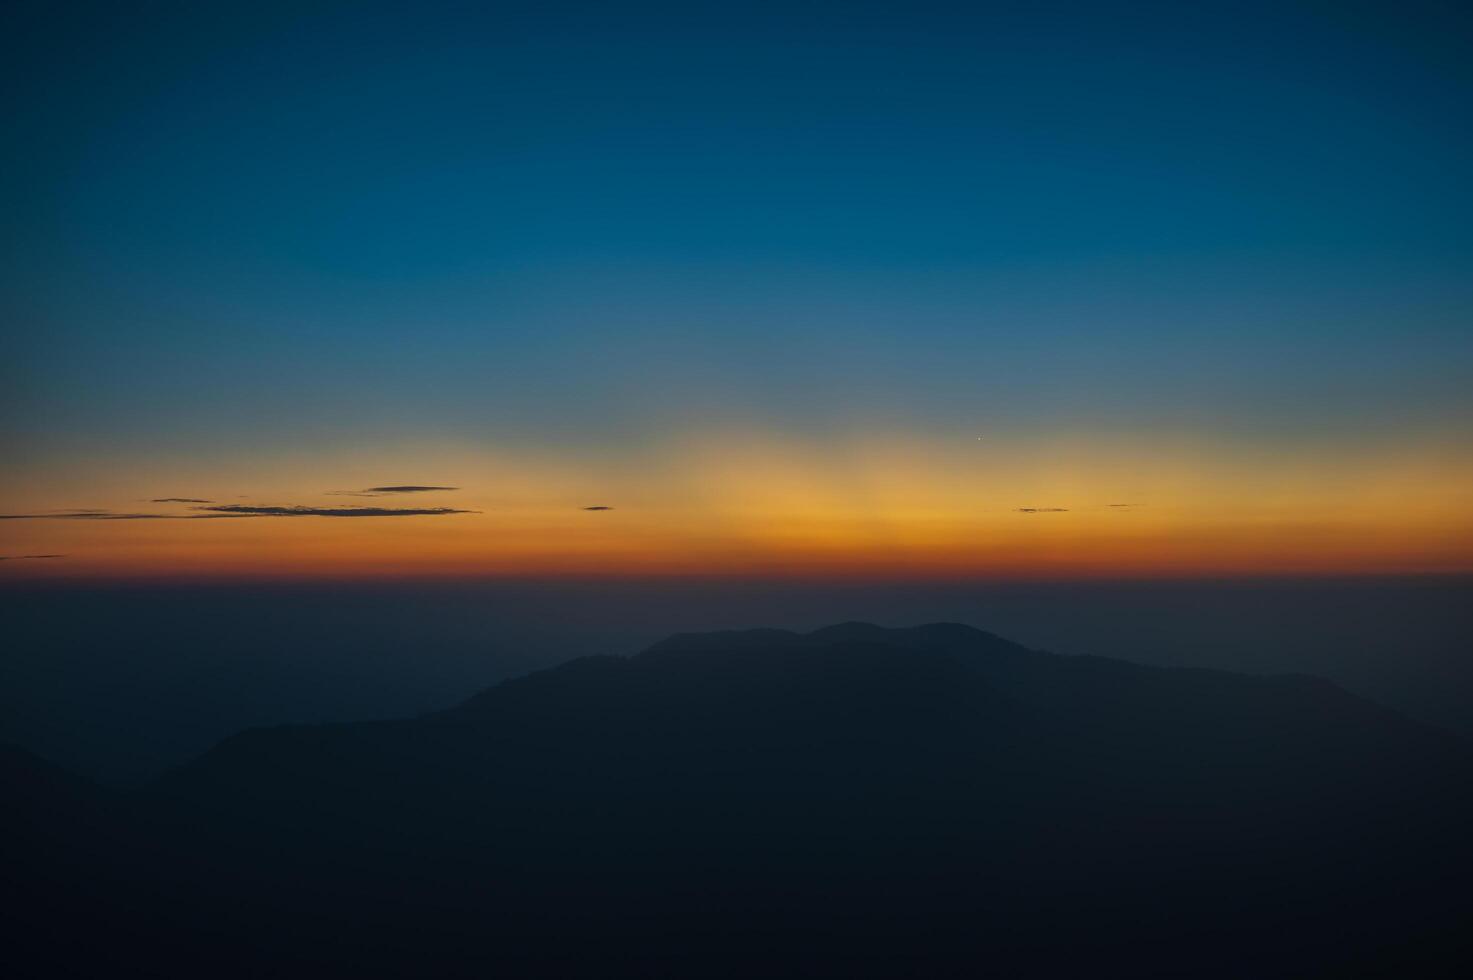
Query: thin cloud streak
(229, 511)
(387, 491)
(90, 515)
(246, 510)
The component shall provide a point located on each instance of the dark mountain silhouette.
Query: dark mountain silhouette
(855, 801)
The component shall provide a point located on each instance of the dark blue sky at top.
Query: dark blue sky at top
(281, 225)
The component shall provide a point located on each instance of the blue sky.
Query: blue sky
(576, 225)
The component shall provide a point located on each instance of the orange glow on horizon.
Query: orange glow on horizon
(743, 505)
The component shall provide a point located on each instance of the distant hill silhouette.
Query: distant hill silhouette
(856, 801)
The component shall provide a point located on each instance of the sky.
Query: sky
(1016, 291)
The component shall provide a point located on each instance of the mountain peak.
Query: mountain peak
(927, 635)
(870, 632)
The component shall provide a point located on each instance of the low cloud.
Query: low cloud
(1043, 510)
(598, 507)
(24, 557)
(180, 500)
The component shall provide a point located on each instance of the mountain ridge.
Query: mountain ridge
(853, 801)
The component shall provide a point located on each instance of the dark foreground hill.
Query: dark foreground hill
(851, 802)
